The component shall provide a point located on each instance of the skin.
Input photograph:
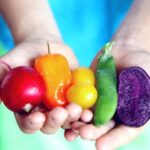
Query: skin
(132, 48)
(30, 38)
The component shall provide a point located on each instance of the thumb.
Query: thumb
(4, 68)
(136, 58)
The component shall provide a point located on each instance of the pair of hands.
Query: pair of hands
(75, 121)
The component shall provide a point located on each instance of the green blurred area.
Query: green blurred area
(2, 51)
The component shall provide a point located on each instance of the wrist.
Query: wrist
(36, 30)
(42, 36)
(32, 19)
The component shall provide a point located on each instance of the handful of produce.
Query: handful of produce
(52, 83)
(131, 103)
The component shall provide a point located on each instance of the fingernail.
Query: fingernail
(75, 131)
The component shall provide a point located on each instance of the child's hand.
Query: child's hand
(109, 136)
(25, 54)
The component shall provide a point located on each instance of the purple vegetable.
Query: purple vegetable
(133, 97)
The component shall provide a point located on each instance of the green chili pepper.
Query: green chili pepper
(106, 84)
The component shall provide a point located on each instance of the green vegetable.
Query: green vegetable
(106, 84)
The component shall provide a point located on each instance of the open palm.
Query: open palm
(24, 54)
(111, 136)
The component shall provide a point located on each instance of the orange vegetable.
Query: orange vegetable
(56, 73)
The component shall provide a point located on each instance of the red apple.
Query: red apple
(22, 89)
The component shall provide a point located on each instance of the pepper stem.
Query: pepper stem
(48, 48)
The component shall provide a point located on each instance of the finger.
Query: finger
(86, 115)
(133, 59)
(75, 126)
(54, 120)
(66, 125)
(4, 69)
(93, 65)
(90, 132)
(30, 123)
(70, 135)
(74, 113)
(117, 137)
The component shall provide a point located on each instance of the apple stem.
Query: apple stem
(48, 48)
(5, 64)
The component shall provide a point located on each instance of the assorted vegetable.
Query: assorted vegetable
(22, 89)
(82, 91)
(52, 83)
(82, 94)
(83, 75)
(56, 73)
(133, 97)
(106, 84)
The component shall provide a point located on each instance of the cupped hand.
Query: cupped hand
(111, 136)
(48, 121)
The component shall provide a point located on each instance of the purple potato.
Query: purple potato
(133, 97)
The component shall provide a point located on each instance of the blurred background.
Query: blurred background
(85, 26)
